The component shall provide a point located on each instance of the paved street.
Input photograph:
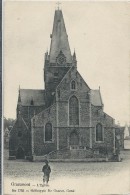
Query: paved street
(70, 178)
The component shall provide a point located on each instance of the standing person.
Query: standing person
(46, 170)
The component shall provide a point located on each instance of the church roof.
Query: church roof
(96, 98)
(28, 95)
(59, 39)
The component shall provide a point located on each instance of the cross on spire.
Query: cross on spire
(58, 4)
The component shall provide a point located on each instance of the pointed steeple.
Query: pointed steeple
(59, 39)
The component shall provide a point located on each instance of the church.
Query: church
(66, 120)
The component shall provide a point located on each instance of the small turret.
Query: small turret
(46, 56)
(74, 59)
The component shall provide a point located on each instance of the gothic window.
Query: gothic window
(48, 132)
(73, 111)
(73, 85)
(99, 132)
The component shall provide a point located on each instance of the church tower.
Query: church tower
(59, 59)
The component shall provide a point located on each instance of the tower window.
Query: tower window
(73, 111)
(48, 132)
(73, 85)
(99, 132)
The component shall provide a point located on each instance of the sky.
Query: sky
(98, 31)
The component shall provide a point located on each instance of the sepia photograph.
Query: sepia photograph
(66, 118)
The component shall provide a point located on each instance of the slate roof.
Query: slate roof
(96, 98)
(27, 95)
(59, 39)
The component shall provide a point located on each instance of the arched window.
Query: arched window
(48, 132)
(73, 85)
(73, 111)
(99, 132)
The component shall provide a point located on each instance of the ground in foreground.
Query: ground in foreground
(68, 178)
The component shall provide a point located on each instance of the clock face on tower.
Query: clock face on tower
(61, 59)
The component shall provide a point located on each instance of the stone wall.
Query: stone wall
(38, 122)
(27, 112)
(64, 136)
(98, 116)
(40, 147)
(58, 116)
(107, 145)
(19, 137)
(64, 92)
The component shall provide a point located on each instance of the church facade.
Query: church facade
(66, 120)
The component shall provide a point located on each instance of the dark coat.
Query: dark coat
(46, 169)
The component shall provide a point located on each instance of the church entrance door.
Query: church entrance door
(20, 153)
(74, 140)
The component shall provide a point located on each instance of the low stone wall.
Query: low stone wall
(42, 159)
(74, 155)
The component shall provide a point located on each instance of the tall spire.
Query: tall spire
(59, 39)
